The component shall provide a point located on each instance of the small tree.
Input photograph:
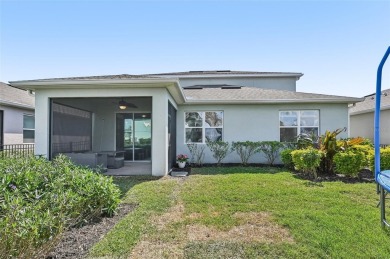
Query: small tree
(328, 145)
(271, 150)
(245, 149)
(220, 150)
(197, 153)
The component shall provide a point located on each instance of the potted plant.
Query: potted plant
(181, 160)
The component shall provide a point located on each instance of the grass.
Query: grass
(247, 212)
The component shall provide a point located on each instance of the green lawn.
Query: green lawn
(246, 212)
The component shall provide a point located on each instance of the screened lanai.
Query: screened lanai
(91, 130)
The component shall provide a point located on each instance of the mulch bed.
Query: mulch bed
(76, 242)
(364, 176)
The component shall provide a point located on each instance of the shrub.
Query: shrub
(384, 161)
(197, 153)
(366, 149)
(349, 163)
(271, 150)
(286, 158)
(220, 149)
(39, 199)
(307, 160)
(245, 149)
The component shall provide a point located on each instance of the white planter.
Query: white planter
(181, 164)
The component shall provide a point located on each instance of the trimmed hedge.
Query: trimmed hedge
(39, 199)
(307, 160)
(285, 156)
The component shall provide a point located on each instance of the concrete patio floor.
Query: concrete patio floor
(132, 168)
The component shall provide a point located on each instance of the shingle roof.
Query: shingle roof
(254, 94)
(224, 72)
(105, 77)
(368, 105)
(175, 74)
(15, 97)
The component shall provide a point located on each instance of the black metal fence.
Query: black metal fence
(22, 150)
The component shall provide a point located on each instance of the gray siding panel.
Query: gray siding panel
(288, 83)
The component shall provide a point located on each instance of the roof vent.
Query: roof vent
(221, 86)
(231, 87)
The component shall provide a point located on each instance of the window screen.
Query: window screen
(71, 129)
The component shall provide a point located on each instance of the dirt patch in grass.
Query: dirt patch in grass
(148, 249)
(170, 241)
(254, 227)
(76, 242)
(173, 215)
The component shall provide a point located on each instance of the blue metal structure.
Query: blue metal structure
(381, 177)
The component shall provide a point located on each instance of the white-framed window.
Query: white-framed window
(293, 123)
(28, 128)
(203, 126)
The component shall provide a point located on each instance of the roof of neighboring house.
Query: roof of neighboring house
(15, 97)
(368, 105)
(236, 94)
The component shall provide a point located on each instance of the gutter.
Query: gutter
(273, 101)
(383, 108)
(17, 105)
(297, 76)
(172, 85)
(36, 84)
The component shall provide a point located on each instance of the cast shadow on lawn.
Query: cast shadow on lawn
(212, 169)
(125, 183)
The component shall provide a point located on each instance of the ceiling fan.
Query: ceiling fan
(123, 104)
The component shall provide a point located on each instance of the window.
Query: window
(28, 128)
(203, 126)
(293, 123)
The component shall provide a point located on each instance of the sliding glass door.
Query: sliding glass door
(134, 135)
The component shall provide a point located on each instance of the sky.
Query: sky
(337, 45)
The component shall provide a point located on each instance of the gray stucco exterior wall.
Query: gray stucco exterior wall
(13, 124)
(258, 123)
(362, 125)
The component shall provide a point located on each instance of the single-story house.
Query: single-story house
(361, 116)
(17, 124)
(152, 117)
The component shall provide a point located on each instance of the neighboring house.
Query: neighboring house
(152, 117)
(361, 117)
(16, 115)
